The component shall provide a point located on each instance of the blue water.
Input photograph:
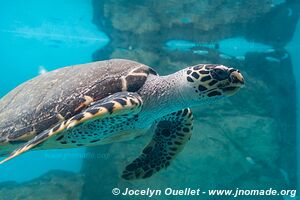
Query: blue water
(40, 36)
(293, 48)
(44, 35)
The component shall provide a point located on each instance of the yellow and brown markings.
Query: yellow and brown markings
(135, 79)
(87, 101)
(213, 80)
(117, 104)
(171, 134)
(114, 107)
(35, 141)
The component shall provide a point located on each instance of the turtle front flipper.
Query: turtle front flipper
(171, 134)
(122, 103)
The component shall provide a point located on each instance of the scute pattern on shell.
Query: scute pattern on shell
(38, 104)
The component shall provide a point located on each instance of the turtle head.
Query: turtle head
(213, 81)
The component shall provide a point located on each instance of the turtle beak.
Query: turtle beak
(236, 80)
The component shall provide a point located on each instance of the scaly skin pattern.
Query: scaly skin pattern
(145, 101)
(192, 86)
(171, 134)
(82, 127)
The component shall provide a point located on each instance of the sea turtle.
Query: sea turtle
(107, 101)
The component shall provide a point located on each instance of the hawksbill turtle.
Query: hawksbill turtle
(108, 101)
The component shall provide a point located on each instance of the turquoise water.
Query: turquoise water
(34, 38)
(293, 47)
(250, 140)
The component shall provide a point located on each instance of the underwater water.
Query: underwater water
(39, 41)
(248, 141)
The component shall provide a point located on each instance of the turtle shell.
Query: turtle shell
(40, 103)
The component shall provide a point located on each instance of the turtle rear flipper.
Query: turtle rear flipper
(171, 134)
(117, 104)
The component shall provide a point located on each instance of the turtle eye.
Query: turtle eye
(220, 74)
